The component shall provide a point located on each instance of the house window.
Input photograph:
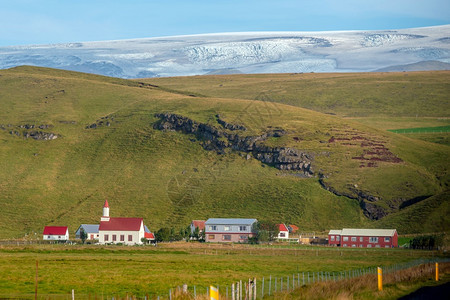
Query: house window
(361, 239)
(360, 245)
(242, 228)
(227, 228)
(338, 238)
(226, 237)
(243, 237)
(354, 246)
(373, 240)
(345, 238)
(387, 246)
(282, 234)
(386, 239)
(369, 246)
(353, 238)
(345, 245)
(211, 236)
(106, 237)
(114, 237)
(130, 238)
(213, 227)
(122, 238)
(332, 237)
(59, 236)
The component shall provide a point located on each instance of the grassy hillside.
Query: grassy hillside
(167, 177)
(380, 100)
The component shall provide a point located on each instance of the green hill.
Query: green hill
(108, 145)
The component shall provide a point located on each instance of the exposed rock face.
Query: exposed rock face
(34, 134)
(229, 126)
(366, 202)
(212, 138)
(37, 135)
(103, 121)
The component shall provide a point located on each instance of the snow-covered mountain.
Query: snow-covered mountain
(252, 52)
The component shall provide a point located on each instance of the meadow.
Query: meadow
(116, 270)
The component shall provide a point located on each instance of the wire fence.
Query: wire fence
(254, 288)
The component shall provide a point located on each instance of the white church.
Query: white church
(127, 231)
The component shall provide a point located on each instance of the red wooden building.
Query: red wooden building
(363, 238)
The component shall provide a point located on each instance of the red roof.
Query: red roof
(282, 227)
(121, 224)
(199, 223)
(55, 230)
(149, 235)
(293, 227)
(106, 203)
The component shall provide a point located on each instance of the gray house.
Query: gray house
(229, 230)
(91, 231)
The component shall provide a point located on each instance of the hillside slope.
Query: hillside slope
(108, 145)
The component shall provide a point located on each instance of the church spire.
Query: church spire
(105, 216)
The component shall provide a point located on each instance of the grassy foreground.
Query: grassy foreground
(146, 270)
(395, 285)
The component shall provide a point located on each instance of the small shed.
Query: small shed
(283, 232)
(56, 233)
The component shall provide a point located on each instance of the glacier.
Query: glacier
(243, 52)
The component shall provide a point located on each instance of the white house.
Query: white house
(56, 233)
(283, 233)
(91, 231)
(127, 231)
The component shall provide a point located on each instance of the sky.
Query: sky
(24, 22)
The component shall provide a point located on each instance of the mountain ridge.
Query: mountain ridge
(244, 52)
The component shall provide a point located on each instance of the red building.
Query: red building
(363, 238)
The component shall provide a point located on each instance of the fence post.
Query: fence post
(254, 288)
(380, 279)
(262, 288)
(281, 285)
(287, 284)
(275, 285)
(437, 272)
(232, 292)
(240, 290)
(303, 274)
(270, 283)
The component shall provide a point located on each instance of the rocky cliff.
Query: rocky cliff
(220, 139)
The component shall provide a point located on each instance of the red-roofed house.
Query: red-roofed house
(292, 228)
(283, 232)
(128, 231)
(56, 233)
(198, 223)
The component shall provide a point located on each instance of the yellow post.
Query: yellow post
(380, 279)
(437, 272)
(213, 293)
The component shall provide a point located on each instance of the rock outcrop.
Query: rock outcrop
(27, 132)
(212, 138)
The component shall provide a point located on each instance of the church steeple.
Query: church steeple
(105, 216)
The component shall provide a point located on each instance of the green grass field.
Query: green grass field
(116, 270)
(168, 179)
